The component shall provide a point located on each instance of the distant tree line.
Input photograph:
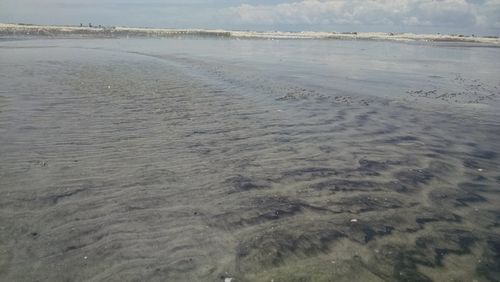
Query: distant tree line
(90, 25)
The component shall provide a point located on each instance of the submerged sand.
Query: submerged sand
(123, 163)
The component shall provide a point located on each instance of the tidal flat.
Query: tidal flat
(215, 159)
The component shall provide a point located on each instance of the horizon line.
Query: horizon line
(15, 28)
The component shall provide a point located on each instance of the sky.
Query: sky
(418, 16)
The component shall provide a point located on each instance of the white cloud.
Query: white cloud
(489, 14)
(456, 13)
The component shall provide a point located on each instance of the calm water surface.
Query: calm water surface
(256, 160)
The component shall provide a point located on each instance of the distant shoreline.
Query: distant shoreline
(112, 32)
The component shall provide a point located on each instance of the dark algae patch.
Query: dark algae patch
(273, 248)
(489, 267)
(242, 183)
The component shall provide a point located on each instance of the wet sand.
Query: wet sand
(204, 160)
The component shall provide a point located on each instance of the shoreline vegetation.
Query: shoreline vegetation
(112, 32)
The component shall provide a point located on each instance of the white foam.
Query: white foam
(162, 32)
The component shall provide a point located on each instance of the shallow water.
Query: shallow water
(257, 160)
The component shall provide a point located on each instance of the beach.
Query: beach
(120, 32)
(223, 158)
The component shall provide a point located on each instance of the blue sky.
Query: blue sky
(424, 16)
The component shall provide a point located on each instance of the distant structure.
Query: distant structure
(81, 25)
(90, 24)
